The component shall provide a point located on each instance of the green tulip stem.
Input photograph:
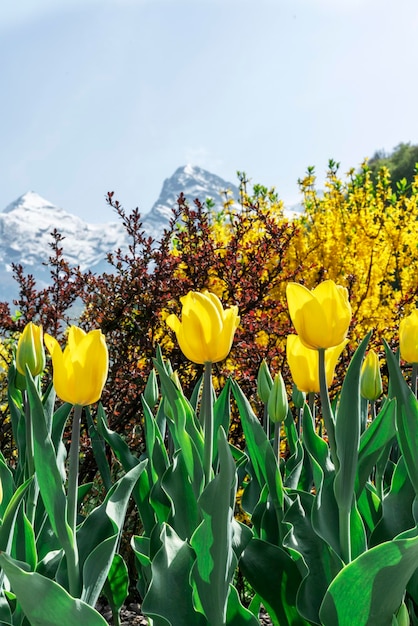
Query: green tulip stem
(33, 491)
(311, 402)
(326, 408)
(414, 378)
(30, 467)
(207, 409)
(276, 444)
(73, 467)
(266, 421)
(345, 535)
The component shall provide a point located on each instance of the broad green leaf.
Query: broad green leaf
(324, 517)
(23, 546)
(373, 441)
(406, 416)
(115, 441)
(184, 514)
(275, 577)
(47, 470)
(236, 614)
(322, 562)
(98, 445)
(397, 505)
(261, 453)
(185, 430)
(9, 517)
(169, 597)
(371, 588)
(215, 561)
(99, 534)
(116, 587)
(44, 602)
(347, 430)
(141, 549)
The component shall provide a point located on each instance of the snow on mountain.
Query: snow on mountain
(194, 182)
(26, 225)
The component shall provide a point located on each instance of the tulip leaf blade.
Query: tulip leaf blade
(406, 416)
(374, 440)
(56, 607)
(215, 561)
(170, 569)
(275, 577)
(347, 430)
(372, 586)
(261, 453)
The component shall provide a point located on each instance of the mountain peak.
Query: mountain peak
(30, 200)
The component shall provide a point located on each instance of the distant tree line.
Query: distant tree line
(401, 162)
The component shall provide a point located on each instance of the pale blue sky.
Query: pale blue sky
(102, 95)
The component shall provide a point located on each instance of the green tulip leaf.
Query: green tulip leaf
(370, 589)
(168, 600)
(264, 462)
(322, 562)
(44, 602)
(48, 471)
(236, 614)
(347, 430)
(396, 515)
(215, 562)
(374, 441)
(98, 445)
(406, 416)
(184, 512)
(275, 577)
(98, 535)
(116, 587)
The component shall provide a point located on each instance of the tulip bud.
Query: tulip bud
(30, 350)
(151, 391)
(402, 616)
(264, 382)
(298, 397)
(277, 403)
(371, 379)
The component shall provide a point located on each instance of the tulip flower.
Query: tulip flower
(206, 329)
(304, 364)
(80, 371)
(321, 317)
(30, 350)
(371, 379)
(408, 337)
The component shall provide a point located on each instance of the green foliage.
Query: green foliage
(401, 163)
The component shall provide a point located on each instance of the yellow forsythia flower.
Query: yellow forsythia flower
(408, 337)
(80, 371)
(30, 350)
(321, 317)
(206, 329)
(304, 364)
(371, 379)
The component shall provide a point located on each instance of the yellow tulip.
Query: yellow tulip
(304, 364)
(321, 317)
(408, 337)
(206, 329)
(80, 371)
(371, 379)
(30, 350)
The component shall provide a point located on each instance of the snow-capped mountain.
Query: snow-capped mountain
(26, 224)
(194, 182)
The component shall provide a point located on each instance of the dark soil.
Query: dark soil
(131, 615)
